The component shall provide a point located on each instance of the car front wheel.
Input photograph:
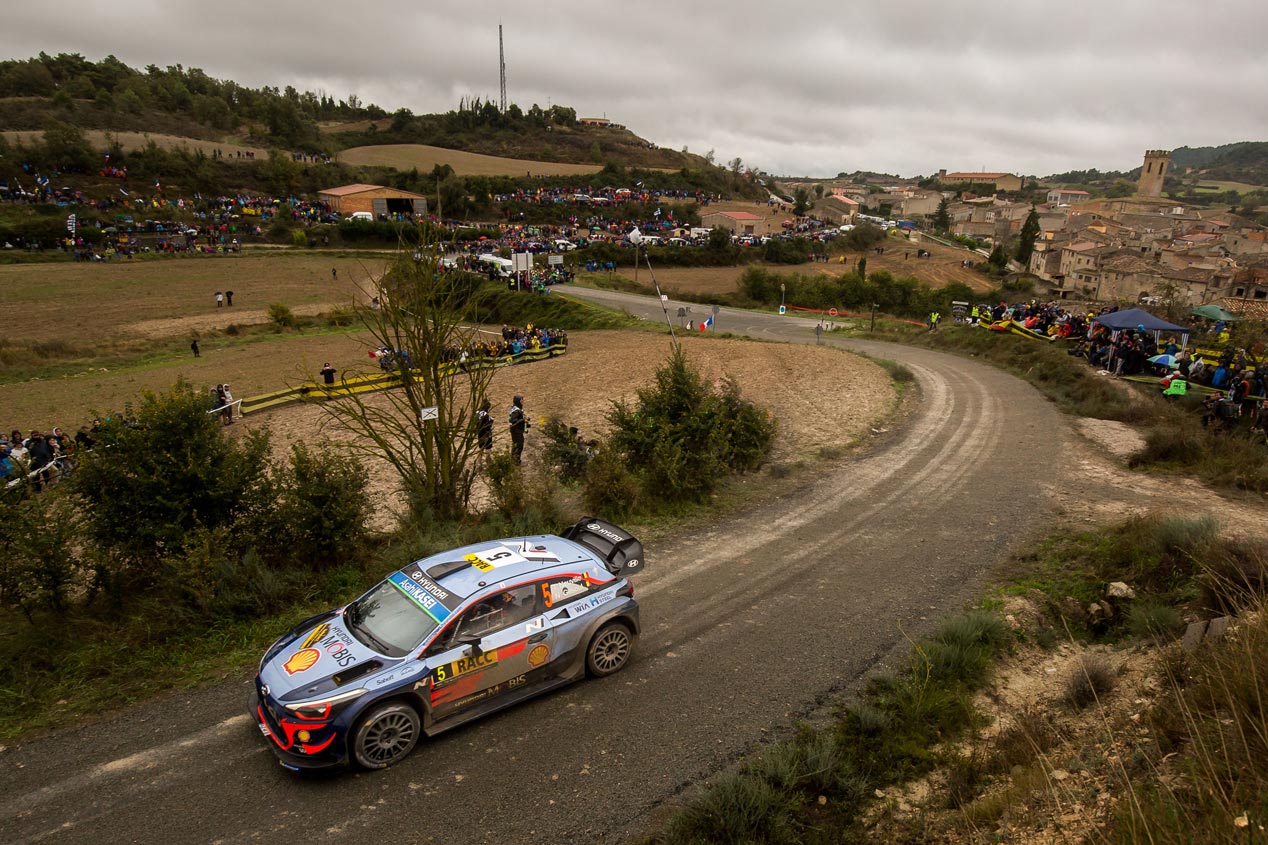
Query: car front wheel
(386, 735)
(609, 650)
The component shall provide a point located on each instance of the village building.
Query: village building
(735, 222)
(1065, 196)
(998, 181)
(373, 199)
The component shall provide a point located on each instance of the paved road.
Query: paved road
(751, 622)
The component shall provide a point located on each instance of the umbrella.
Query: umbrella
(1165, 360)
(1214, 312)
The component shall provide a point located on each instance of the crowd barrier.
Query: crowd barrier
(311, 391)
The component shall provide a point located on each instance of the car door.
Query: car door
(488, 653)
(568, 600)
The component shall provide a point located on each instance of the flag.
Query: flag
(706, 324)
(657, 214)
(125, 193)
(639, 183)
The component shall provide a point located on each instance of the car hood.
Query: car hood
(320, 659)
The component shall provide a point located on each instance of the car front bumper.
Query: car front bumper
(332, 756)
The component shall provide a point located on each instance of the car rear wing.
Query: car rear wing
(621, 553)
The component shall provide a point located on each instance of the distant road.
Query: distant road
(751, 621)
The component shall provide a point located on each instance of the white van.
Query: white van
(361, 215)
(563, 245)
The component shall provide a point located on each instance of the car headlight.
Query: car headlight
(324, 708)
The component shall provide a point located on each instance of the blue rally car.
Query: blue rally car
(448, 639)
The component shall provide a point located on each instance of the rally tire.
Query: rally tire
(386, 735)
(609, 650)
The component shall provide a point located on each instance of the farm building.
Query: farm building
(374, 199)
(735, 222)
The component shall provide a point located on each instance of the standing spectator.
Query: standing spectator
(39, 455)
(193, 346)
(519, 424)
(328, 373)
(220, 299)
(334, 273)
(226, 403)
(228, 297)
(484, 427)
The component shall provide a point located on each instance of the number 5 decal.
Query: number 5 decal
(546, 595)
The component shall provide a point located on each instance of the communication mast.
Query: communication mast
(502, 66)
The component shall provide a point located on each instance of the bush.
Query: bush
(565, 452)
(37, 549)
(679, 433)
(611, 490)
(281, 316)
(506, 484)
(1090, 681)
(737, 810)
(321, 506)
(154, 479)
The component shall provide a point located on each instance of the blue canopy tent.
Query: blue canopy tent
(1135, 318)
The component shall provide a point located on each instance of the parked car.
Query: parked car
(448, 639)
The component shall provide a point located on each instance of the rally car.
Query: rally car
(448, 639)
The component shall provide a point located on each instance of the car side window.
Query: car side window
(563, 590)
(498, 611)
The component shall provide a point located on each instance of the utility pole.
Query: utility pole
(502, 68)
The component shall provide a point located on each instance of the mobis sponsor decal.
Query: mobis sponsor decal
(321, 639)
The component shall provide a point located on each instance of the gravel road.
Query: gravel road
(750, 622)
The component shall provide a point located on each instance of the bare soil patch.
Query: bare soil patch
(821, 397)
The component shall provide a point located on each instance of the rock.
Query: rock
(1119, 590)
(1217, 627)
(1013, 624)
(1193, 636)
(1060, 774)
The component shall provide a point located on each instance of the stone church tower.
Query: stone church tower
(1151, 173)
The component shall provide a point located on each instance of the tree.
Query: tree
(425, 316)
(819, 190)
(152, 480)
(801, 202)
(942, 217)
(998, 259)
(1029, 234)
(736, 165)
(719, 238)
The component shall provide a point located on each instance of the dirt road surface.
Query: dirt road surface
(749, 622)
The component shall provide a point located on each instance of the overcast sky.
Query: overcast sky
(795, 88)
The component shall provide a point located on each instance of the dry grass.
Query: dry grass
(406, 156)
(139, 140)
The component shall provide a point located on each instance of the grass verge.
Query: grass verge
(812, 788)
(1175, 441)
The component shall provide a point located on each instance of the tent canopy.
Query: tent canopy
(1214, 312)
(1135, 317)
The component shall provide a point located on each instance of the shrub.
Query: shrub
(680, 433)
(37, 549)
(321, 506)
(281, 316)
(611, 490)
(152, 480)
(506, 484)
(565, 452)
(1152, 619)
(737, 810)
(299, 238)
(1090, 681)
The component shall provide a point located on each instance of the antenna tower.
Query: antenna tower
(502, 66)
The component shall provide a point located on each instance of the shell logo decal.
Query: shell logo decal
(301, 661)
(539, 655)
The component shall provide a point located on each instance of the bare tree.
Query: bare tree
(425, 425)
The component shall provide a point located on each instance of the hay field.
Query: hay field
(139, 140)
(406, 156)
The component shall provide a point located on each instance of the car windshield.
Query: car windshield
(386, 620)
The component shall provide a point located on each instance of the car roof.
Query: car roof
(467, 570)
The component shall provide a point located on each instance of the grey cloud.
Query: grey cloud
(794, 87)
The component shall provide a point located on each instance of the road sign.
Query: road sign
(781, 310)
(716, 309)
(425, 414)
(832, 312)
(555, 260)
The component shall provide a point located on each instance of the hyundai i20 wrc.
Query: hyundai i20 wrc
(448, 639)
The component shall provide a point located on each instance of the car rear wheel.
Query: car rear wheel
(609, 650)
(386, 735)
